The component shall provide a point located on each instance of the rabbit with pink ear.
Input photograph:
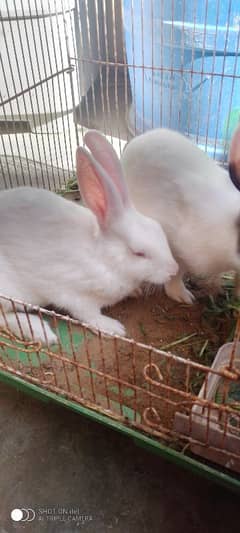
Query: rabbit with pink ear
(195, 201)
(82, 259)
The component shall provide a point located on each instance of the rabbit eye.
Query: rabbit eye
(140, 254)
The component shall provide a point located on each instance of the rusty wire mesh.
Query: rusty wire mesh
(120, 66)
(59, 74)
(133, 383)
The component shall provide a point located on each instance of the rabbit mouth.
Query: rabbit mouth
(165, 277)
(159, 280)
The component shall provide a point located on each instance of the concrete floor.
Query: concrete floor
(51, 457)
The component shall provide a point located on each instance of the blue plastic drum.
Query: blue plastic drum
(216, 13)
(173, 52)
(154, 63)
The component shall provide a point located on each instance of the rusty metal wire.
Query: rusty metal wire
(64, 66)
(37, 90)
(130, 382)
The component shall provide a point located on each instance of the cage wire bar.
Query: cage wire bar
(38, 136)
(66, 66)
(132, 383)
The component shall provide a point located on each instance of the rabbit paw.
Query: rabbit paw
(176, 290)
(20, 326)
(38, 333)
(109, 326)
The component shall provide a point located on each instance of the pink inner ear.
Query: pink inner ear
(105, 154)
(90, 187)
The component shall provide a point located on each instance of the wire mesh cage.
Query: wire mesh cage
(188, 405)
(124, 67)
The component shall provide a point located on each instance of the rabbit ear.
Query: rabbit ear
(234, 159)
(105, 154)
(98, 192)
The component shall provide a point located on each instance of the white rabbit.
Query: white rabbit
(173, 181)
(53, 251)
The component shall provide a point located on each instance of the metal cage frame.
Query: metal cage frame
(131, 386)
(194, 430)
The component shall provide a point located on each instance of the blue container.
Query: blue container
(208, 25)
(155, 65)
(224, 13)
(167, 48)
(205, 40)
(212, 107)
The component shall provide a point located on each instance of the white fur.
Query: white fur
(53, 251)
(196, 203)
